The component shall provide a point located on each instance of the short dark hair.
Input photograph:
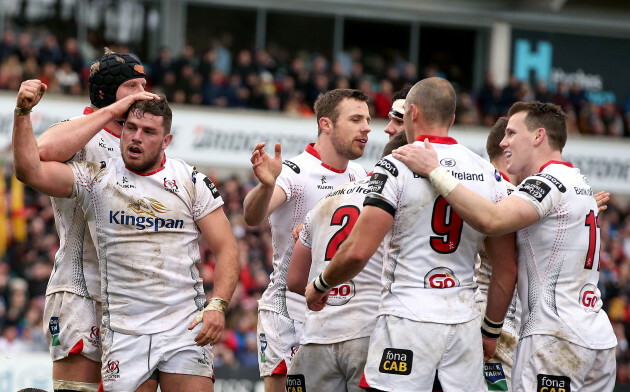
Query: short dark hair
(157, 107)
(327, 103)
(436, 99)
(497, 133)
(399, 140)
(401, 94)
(544, 115)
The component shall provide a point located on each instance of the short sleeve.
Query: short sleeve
(384, 186)
(207, 197)
(542, 191)
(288, 177)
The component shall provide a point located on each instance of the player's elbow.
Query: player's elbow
(252, 219)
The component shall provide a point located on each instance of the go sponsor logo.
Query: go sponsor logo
(590, 298)
(440, 278)
(342, 294)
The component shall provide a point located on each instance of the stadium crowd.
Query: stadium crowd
(272, 80)
(275, 80)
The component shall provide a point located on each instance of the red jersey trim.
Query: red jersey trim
(149, 173)
(363, 383)
(437, 139)
(89, 110)
(77, 348)
(504, 177)
(280, 369)
(569, 164)
(311, 150)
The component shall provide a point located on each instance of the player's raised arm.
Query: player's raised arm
(61, 141)
(266, 196)
(52, 178)
(216, 230)
(509, 215)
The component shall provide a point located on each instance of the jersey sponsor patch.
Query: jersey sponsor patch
(377, 182)
(448, 162)
(495, 377)
(553, 180)
(387, 165)
(535, 188)
(342, 294)
(210, 185)
(53, 327)
(548, 383)
(440, 278)
(296, 383)
(292, 166)
(396, 361)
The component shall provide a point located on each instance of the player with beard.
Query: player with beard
(146, 214)
(72, 312)
(287, 191)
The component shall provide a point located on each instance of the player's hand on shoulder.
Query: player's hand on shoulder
(266, 167)
(212, 326)
(420, 160)
(315, 300)
(119, 108)
(30, 93)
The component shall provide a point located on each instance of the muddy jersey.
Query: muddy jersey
(429, 250)
(483, 273)
(147, 240)
(305, 179)
(76, 262)
(352, 307)
(558, 259)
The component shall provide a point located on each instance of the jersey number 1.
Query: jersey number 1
(592, 222)
(346, 217)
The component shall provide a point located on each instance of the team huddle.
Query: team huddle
(439, 270)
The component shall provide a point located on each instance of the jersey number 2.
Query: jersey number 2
(592, 222)
(346, 217)
(447, 224)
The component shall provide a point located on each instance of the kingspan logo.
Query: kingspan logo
(147, 206)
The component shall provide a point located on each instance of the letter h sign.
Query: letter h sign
(526, 60)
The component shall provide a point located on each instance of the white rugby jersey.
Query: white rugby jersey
(430, 251)
(558, 259)
(483, 273)
(144, 229)
(352, 307)
(76, 261)
(305, 179)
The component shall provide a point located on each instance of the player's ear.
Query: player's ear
(325, 124)
(540, 135)
(167, 140)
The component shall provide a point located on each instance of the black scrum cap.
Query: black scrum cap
(113, 70)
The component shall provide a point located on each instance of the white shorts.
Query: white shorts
(498, 369)
(278, 341)
(328, 367)
(129, 360)
(71, 326)
(404, 355)
(544, 362)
